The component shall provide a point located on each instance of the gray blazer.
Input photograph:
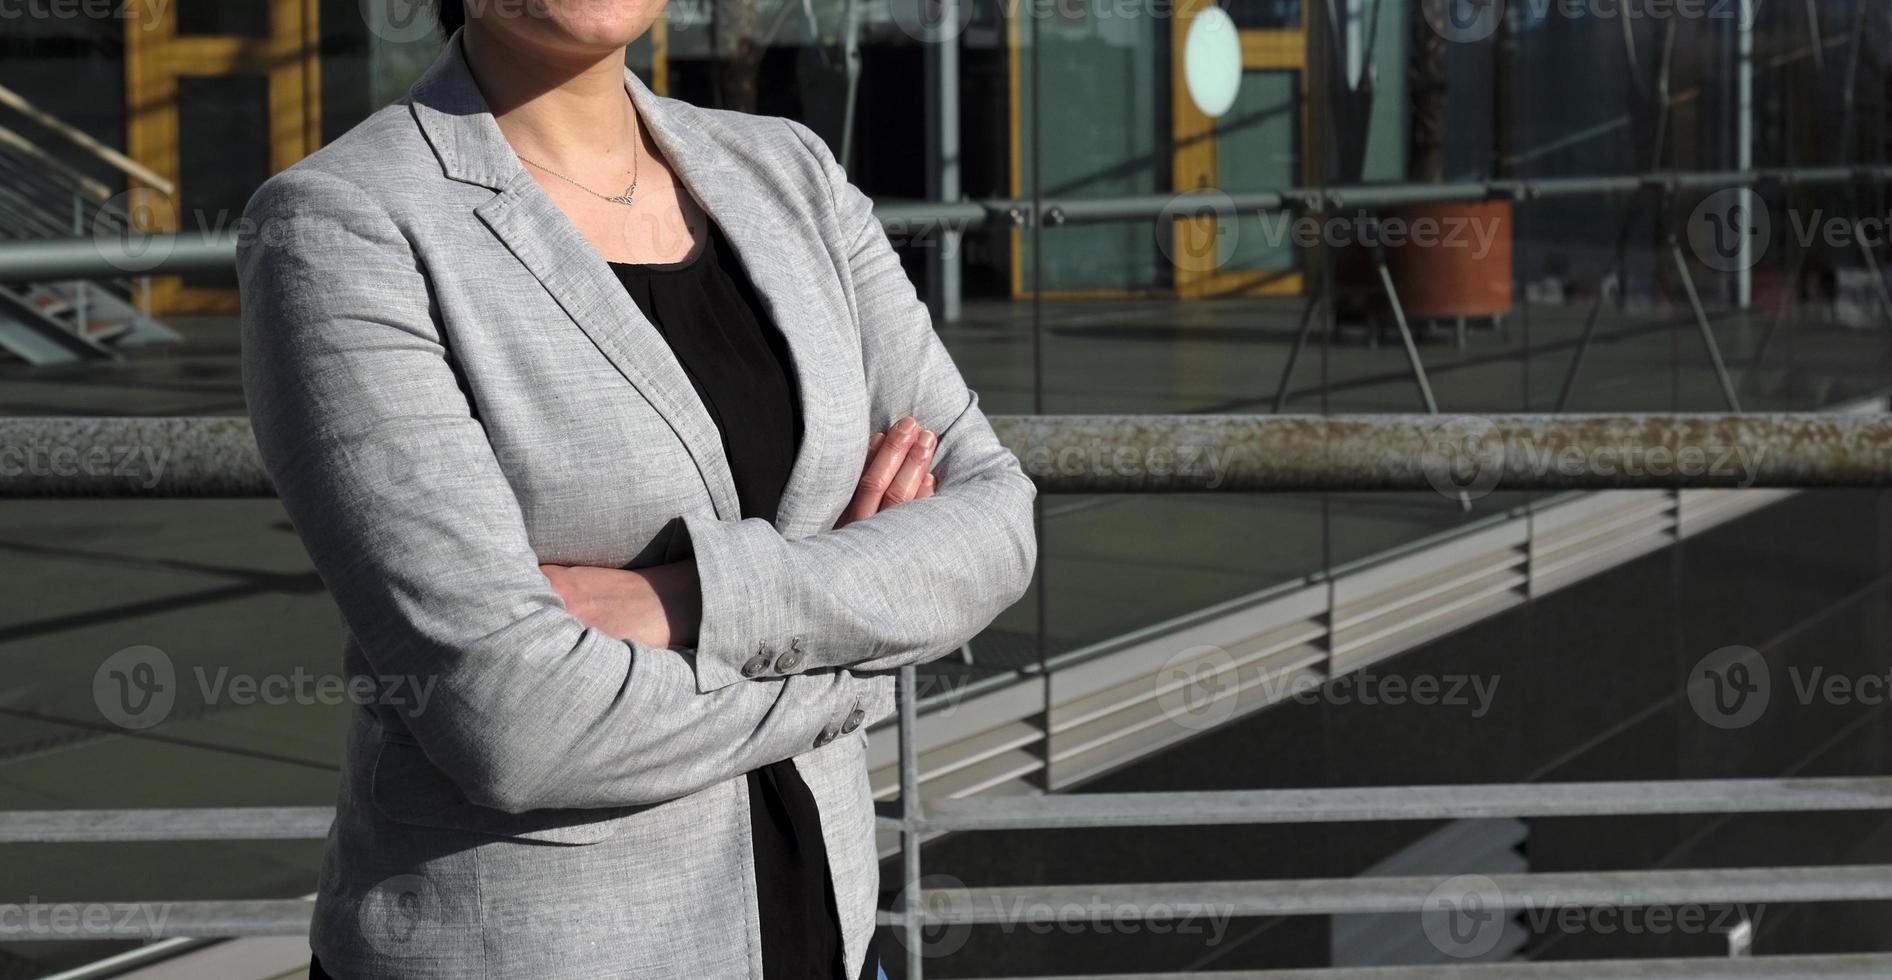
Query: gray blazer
(449, 387)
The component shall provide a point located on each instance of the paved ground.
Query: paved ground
(223, 589)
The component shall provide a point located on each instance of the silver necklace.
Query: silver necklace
(630, 193)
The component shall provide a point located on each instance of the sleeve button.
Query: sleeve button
(756, 665)
(854, 719)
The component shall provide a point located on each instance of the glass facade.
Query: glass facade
(1587, 247)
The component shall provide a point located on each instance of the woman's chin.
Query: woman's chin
(598, 25)
(575, 27)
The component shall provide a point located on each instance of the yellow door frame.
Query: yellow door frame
(1194, 163)
(156, 57)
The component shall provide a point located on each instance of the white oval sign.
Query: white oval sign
(1212, 61)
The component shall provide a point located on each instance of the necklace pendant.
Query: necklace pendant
(623, 199)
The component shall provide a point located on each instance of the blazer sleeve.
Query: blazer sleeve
(911, 583)
(398, 497)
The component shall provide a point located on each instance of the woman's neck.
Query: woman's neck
(563, 110)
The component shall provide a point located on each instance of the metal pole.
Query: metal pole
(1405, 337)
(1294, 353)
(153, 458)
(910, 817)
(1744, 141)
(943, 155)
(1707, 331)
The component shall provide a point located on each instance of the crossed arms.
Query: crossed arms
(349, 385)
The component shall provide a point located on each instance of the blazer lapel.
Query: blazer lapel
(449, 108)
(747, 210)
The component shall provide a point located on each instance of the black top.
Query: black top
(739, 363)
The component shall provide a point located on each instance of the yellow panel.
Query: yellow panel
(155, 57)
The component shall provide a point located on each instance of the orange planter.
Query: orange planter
(1455, 259)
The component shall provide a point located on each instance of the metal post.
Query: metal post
(81, 312)
(1872, 267)
(1405, 337)
(910, 817)
(942, 158)
(1294, 353)
(1707, 331)
(1744, 142)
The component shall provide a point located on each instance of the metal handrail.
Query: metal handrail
(1022, 904)
(56, 167)
(1852, 966)
(79, 138)
(1382, 803)
(1101, 454)
(1094, 810)
(166, 825)
(216, 252)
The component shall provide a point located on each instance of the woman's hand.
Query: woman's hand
(663, 606)
(897, 468)
(659, 606)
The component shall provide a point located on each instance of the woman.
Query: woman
(571, 393)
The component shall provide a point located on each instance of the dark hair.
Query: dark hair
(451, 13)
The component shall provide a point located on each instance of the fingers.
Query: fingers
(912, 473)
(897, 471)
(885, 454)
